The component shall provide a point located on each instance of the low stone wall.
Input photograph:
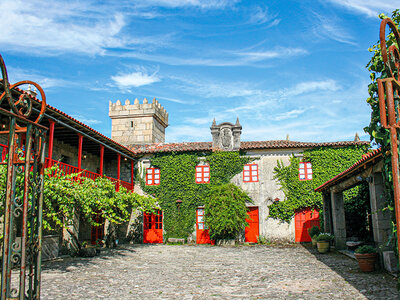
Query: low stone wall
(50, 247)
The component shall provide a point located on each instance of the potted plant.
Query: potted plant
(313, 232)
(366, 256)
(323, 242)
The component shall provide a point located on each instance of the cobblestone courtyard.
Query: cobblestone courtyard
(209, 272)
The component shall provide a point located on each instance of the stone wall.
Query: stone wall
(138, 123)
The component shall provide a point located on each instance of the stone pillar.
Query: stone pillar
(327, 212)
(338, 219)
(381, 220)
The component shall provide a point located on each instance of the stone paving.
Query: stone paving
(211, 272)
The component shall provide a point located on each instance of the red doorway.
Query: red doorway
(202, 235)
(252, 231)
(153, 228)
(305, 219)
(97, 232)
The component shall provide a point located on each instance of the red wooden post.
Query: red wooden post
(51, 140)
(118, 171)
(132, 175)
(101, 159)
(80, 152)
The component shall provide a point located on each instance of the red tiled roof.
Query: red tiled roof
(207, 146)
(363, 161)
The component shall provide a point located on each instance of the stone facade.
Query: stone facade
(138, 123)
(226, 136)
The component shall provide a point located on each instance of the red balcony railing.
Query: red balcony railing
(68, 169)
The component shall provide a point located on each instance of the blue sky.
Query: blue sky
(282, 67)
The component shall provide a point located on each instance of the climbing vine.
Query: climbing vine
(326, 163)
(178, 183)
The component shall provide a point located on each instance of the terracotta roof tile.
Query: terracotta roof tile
(207, 146)
(364, 160)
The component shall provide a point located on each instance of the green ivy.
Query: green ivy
(177, 171)
(326, 163)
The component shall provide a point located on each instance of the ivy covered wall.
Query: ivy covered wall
(178, 183)
(326, 163)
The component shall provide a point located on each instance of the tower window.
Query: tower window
(132, 124)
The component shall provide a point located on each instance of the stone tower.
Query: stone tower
(138, 123)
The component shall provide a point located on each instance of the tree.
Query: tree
(226, 211)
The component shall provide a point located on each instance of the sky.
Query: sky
(282, 67)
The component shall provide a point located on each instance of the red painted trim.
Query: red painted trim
(132, 175)
(150, 176)
(51, 139)
(250, 176)
(101, 159)
(201, 170)
(118, 171)
(80, 151)
(307, 171)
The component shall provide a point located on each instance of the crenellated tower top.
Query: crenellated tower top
(138, 123)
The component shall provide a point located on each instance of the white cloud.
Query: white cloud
(371, 8)
(52, 27)
(260, 15)
(289, 114)
(310, 86)
(17, 74)
(329, 28)
(86, 120)
(134, 79)
(204, 4)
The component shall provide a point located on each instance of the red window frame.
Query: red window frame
(305, 171)
(202, 174)
(250, 173)
(153, 176)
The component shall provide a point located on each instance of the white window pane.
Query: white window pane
(149, 181)
(206, 174)
(246, 173)
(200, 211)
(157, 171)
(247, 167)
(254, 178)
(198, 175)
(309, 176)
(198, 169)
(198, 179)
(156, 181)
(254, 167)
(150, 171)
(200, 219)
(206, 169)
(201, 226)
(301, 166)
(302, 176)
(156, 176)
(308, 165)
(246, 178)
(301, 171)
(254, 173)
(207, 179)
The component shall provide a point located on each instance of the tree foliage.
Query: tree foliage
(226, 211)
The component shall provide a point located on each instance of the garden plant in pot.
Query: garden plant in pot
(313, 232)
(323, 242)
(366, 256)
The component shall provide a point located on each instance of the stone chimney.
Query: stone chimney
(226, 136)
(138, 123)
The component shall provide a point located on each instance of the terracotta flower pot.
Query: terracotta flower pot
(323, 246)
(366, 261)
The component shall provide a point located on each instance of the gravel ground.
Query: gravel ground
(211, 272)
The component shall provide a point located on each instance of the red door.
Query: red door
(97, 232)
(251, 231)
(153, 228)
(202, 235)
(305, 219)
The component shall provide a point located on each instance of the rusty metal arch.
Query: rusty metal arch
(23, 196)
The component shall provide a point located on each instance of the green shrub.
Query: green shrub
(324, 237)
(226, 211)
(365, 249)
(314, 231)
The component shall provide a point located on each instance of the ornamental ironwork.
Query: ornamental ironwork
(388, 93)
(22, 188)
